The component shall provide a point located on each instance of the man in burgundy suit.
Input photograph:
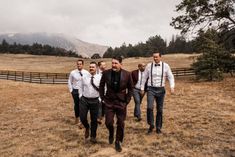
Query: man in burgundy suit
(118, 94)
(137, 77)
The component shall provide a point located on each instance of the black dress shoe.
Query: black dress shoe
(138, 119)
(87, 133)
(150, 130)
(93, 140)
(110, 139)
(118, 147)
(158, 131)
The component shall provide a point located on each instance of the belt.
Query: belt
(157, 87)
(91, 98)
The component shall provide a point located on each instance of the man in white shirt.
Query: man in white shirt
(137, 77)
(74, 82)
(100, 70)
(89, 101)
(156, 73)
(101, 67)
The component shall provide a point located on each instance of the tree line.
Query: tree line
(178, 44)
(35, 49)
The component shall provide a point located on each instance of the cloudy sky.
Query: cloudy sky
(106, 22)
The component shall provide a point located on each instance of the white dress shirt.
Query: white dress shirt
(140, 80)
(156, 78)
(87, 90)
(75, 77)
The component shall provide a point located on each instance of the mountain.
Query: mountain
(56, 40)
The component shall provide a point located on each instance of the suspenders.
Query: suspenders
(161, 75)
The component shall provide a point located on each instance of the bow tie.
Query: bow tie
(157, 65)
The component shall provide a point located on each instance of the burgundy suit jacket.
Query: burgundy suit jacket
(110, 97)
(135, 75)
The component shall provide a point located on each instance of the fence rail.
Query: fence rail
(62, 78)
(35, 77)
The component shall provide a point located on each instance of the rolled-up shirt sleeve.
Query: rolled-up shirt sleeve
(145, 77)
(170, 77)
(70, 80)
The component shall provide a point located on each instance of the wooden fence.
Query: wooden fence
(35, 77)
(62, 78)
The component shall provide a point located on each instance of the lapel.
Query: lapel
(109, 77)
(137, 75)
(122, 79)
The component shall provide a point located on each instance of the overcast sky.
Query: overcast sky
(105, 22)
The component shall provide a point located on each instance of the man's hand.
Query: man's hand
(142, 92)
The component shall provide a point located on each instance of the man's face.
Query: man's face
(92, 69)
(141, 67)
(103, 66)
(156, 57)
(79, 65)
(116, 65)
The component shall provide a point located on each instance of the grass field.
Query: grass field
(66, 64)
(37, 120)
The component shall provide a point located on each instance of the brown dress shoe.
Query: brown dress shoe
(150, 130)
(99, 121)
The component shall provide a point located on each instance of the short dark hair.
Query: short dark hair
(99, 63)
(160, 54)
(93, 63)
(119, 58)
(80, 60)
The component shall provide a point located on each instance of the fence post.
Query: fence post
(7, 75)
(30, 77)
(22, 76)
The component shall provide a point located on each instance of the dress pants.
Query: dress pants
(137, 99)
(157, 94)
(120, 113)
(76, 102)
(92, 105)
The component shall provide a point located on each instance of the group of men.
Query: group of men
(108, 92)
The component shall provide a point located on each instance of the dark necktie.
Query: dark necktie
(80, 73)
(157, 65)
(93, 85)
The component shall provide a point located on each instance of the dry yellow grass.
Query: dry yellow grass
(36, 120)
(66, 64)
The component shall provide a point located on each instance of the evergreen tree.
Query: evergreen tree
(215, 60)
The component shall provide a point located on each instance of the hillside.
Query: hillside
(56, 40)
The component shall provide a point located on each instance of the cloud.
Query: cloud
(107, 22)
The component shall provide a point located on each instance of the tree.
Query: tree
(95, 56)
(204, 13)
(4, 46)
(156, 43)
(215, 60)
